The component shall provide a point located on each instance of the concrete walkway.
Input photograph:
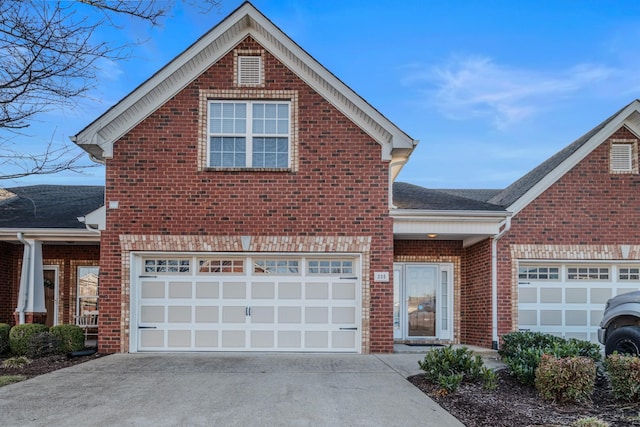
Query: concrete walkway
(226, 389)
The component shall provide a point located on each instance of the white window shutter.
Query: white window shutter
(249, 70)
(621, 158)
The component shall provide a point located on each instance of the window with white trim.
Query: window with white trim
(249, 134)
(87, 295)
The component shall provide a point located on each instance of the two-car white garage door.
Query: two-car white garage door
(568, 299)
(255, 303)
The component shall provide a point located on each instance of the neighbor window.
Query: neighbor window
(249, 134)
(87, 295)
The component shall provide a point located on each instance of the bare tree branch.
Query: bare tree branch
(48, 56)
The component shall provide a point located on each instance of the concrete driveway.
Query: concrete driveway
(226, 389)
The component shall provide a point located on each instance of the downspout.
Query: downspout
(22, 302)
(494, 281)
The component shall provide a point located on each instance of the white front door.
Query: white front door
(228, 303)
(422, 301)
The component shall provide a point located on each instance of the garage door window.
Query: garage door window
(588, 273)
(330, 266)
(164, 265)
(538, 273)
(218, 266)
(272, 266)
(632, 273)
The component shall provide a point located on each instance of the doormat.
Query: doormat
(423, 345)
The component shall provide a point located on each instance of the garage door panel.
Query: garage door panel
(290, 290)
(180, 289)
(152, 290)
(572, 299)
(234, 314)
(152, 314)
(179, 314)
(207, 314)
(152, 338)
(316, 315)
(288, 309)
(263, 315)
(344, 291)
(263, 290)
(179, 338)
(207, 290)
(208, 339)
(234, 290)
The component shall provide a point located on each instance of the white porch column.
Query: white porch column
(31, 294)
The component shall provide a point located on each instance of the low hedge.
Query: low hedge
(20, 334)
(71, 337)
(522, 351)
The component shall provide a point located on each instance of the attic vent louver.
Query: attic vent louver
(621, 158)
(249, 70)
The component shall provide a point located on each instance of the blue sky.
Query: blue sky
(490, 88)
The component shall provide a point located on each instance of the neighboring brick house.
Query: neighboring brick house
(43, 244)
(250, 204)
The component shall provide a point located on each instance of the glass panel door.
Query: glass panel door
(421, 291)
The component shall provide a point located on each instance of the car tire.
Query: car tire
(625, 340)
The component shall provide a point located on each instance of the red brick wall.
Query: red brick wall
(340, 188)
(66, 257)
(9, 255)
(587, 206)
(476, 311)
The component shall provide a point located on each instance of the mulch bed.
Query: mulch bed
(45, 365)
(512, 404)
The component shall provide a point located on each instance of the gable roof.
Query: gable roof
(99, 136)
(519, 194)
(49, 206)
(409, 196)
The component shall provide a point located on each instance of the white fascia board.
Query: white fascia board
(185, 68)
(564, 167)
(50, 234)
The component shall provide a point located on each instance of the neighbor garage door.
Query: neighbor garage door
(568, 299)
(257, 303)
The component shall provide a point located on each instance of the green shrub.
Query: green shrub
(590, 422)
(43, 344)
(71, 337)
(10, 379)
(448, 367)
(20, 334)
(566, 379)
(624, 374)
(4, 337)
(522, 351)
(16, 362)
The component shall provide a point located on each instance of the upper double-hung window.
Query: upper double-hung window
(249, 134)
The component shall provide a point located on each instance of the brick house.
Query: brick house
(250, 204)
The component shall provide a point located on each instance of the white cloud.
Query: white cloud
(478, 87)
